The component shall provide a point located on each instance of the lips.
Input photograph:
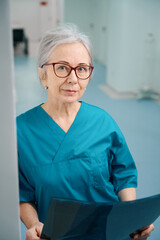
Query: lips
(70, 92)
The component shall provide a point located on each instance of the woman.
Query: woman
(67, 148)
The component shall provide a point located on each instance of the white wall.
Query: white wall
(132, 62)
(9, 202)
(35, 18)
(90, 17)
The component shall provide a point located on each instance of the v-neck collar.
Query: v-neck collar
(53, 124)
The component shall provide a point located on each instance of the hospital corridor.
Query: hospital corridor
(125, 82)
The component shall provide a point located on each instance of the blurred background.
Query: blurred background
(126, 44)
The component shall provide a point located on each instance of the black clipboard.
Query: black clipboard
(74, 219)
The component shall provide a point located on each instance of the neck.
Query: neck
(61, 110)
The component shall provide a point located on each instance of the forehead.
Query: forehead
(71, 53)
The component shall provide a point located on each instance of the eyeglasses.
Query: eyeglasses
(63, 70)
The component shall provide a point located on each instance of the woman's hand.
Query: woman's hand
(143, 233)
(34, 232)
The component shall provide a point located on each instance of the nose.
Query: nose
(72, 78)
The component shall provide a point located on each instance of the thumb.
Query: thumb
(39, 228)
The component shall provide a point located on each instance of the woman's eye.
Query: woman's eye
(62, 67)
(82, 69)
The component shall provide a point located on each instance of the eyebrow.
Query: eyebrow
(77, 65)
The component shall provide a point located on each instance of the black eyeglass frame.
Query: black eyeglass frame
(71, 68)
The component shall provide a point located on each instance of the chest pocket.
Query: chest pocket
(100, 173)
(66, 175)
(72, 177)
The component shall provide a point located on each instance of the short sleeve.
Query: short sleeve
(26, 191)
(123, 168)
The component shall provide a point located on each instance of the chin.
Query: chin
(70, 99)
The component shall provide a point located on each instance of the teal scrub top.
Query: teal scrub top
(91, 162)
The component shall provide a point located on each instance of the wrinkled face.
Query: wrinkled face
(68, 89)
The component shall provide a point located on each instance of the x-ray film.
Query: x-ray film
(73, 219)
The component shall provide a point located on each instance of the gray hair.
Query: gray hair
(67, 33)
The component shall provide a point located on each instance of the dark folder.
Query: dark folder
(73, 219)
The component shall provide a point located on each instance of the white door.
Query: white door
(50, 15)
(9, 203)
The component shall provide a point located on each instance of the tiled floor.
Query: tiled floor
(139, 120)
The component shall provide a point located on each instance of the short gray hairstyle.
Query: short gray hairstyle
(66, 33)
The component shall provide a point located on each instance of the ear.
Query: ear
(42, 76)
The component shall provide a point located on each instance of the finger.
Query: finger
(139, 238)
(39, 229)
(31, 235)
(148, 230)
(135, 236)
(145, 234)
(142, 238)
(32, 238)
(138, 232)
(145, 227)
